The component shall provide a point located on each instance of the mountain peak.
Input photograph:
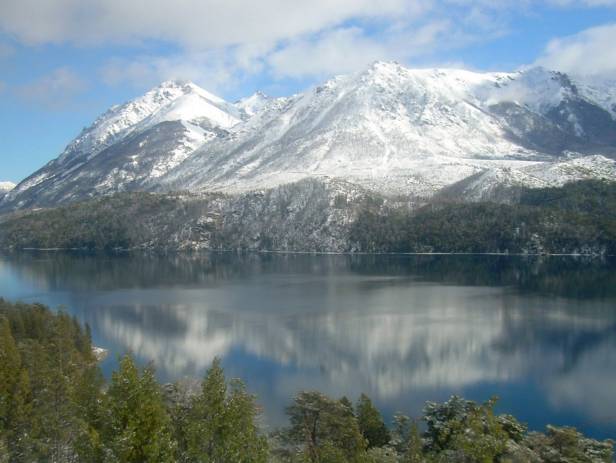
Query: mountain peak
(175, 83)
(387, 128)
(253, 104)
(6, 186)
(384, 68)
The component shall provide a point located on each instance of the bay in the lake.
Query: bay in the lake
(538, 332)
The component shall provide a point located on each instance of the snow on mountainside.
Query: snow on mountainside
(389, 129)
(253, 104)
(171, 101)
(5, 187)
(129, 144)
(499, 183)
(398, 130)
(601, 92)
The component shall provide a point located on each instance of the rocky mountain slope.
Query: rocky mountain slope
(130, 145)
(388, 129)
(326, 216)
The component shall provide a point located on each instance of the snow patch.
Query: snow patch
(6, 186)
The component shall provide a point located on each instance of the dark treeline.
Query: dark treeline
(55, 406)
(576, 218)
(121, 221)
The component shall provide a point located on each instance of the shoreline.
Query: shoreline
(324, 253)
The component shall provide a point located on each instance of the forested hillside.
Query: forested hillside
(313, 216)
(55, 406)
(576, 218)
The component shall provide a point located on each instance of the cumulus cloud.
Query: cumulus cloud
(589, 53)
(192, 23)
(336, 51)
(214, 70)
(347, 49)
(55, 90)
(219, 42)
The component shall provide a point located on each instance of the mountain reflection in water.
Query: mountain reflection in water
(540, 333)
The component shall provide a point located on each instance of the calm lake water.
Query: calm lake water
(538, 332)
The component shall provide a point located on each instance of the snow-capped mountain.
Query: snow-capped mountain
(130, 144)
(253, 104)
(5, 187)
(389, 129)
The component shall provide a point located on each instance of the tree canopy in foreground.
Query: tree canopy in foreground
(55, 406)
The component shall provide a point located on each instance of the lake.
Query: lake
(538, 332)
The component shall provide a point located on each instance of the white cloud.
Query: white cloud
(589, 53)
(54, 91)
(216, 70)
(220, 42)
(191, 23)
(337, 51)
(205, 24)
(345, 50)
(217, 41)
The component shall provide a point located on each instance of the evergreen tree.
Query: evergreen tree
(414, 452)
(23, 432)
(91, 405)
(221, 423)
(371, 423)
(139, 426)
(401, 431)
(55, 409)
(324, 429)
(463, 430)
(60, 422)
(10, 364)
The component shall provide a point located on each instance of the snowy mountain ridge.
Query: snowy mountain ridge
(171, 100)
(5, 187)
(388, 129)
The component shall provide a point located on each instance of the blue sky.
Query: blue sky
(63, 63)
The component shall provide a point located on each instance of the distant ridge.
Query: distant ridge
(388, 129)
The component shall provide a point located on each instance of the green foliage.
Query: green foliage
(371, 423)
(480, 438)
(401, 433)
(22, 445)
(220, 423)
(10, 367)
(55, 409)
(566, 444)
(324, 430)
(44, 358)
(464, 430)
(139, 427)
(414, 451)
(514, 429)
(576, 218)
(121, 221)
